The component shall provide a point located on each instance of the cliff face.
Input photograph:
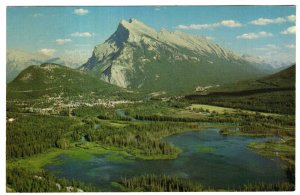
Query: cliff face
(138, 56)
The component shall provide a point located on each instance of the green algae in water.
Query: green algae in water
(229, 164)
(205, 148)
(118, 158)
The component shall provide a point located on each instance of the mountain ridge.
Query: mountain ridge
(283, 79)
(137, 56)
(274, 94)
(18, 60)
(56, 80)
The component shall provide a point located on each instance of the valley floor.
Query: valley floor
(134, 131)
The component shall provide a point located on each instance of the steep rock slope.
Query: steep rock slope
(137, 56)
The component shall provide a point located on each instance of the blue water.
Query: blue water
(227, 163)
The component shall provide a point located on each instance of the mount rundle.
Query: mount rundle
(138, 56)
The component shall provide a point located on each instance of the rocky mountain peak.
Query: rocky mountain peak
(134, 29)
(136, 56)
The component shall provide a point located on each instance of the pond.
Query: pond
(123, 114)
(207, 157)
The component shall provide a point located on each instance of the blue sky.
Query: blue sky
(266, 31)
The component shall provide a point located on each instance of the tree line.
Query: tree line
(28, 135)
(166, 183)
(146, 137)
(159, 183)
(282, 102)
(24, 180)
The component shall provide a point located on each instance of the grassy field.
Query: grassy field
(209, 108)
(222, 110)
(81, 151)
(275, 149)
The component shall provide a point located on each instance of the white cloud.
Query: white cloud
(181, 26)
(47, 51)
(276, 54)
(82, 34)
(62, 41)
(254, 35)
(272, 46)
(269, 47)
(266, 21)
(37, 15)
(197, 26)
(80, 11)
(290, 46)
(289, 30)
(230, 23)
(209, 38)
(226, 23)
(291, 18)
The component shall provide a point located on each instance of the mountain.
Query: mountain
(283, 79)
(56, 80)
(263, 64)
(18, 60)
(260, 63)
(274, 94)
(137, 56)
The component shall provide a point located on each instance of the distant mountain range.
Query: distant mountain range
(137, 56)
(272, 67)
(18, 60)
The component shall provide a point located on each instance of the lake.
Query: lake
(207, 157)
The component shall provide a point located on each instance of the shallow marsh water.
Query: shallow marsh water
(207, 157)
